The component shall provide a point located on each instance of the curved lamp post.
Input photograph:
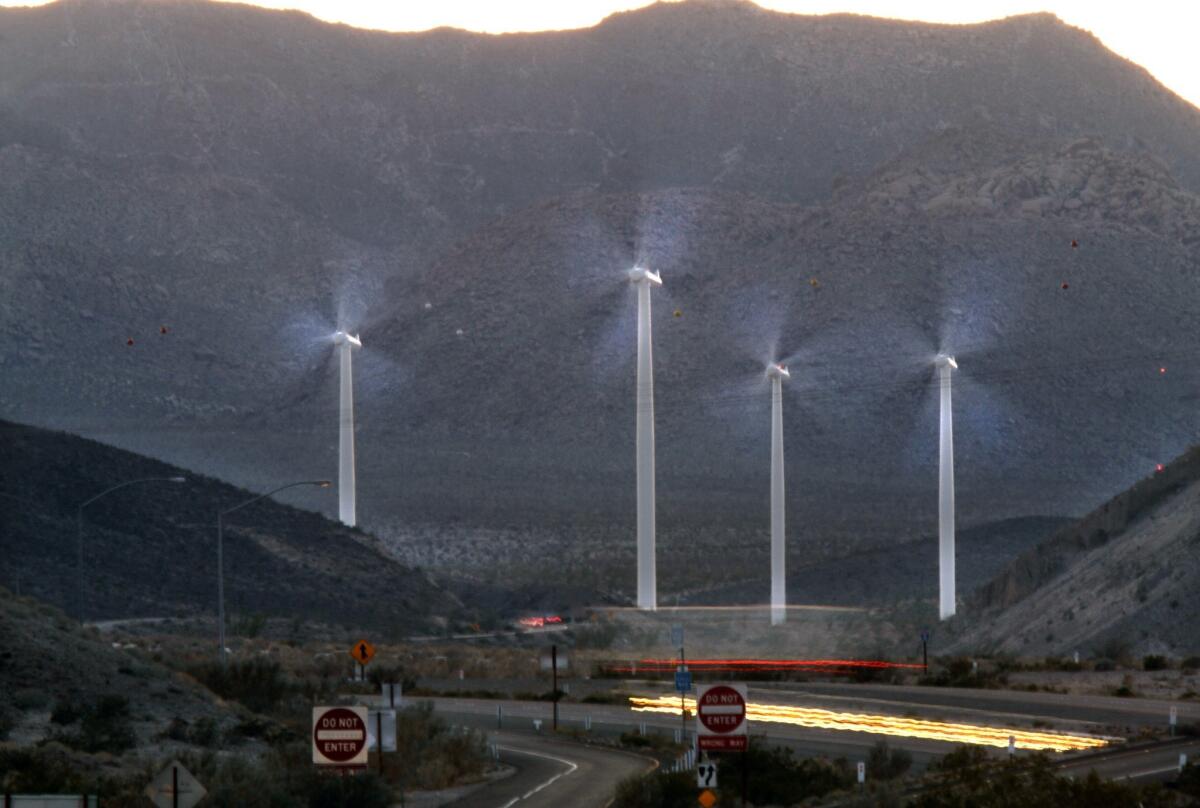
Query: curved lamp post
(221, 552)
(79, 524)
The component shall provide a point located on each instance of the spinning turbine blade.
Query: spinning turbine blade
(946, 595)
(346, 484)
(777, 374)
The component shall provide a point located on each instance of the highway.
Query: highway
(552, 772)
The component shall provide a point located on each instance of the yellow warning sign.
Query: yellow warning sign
(363, 652)
(707, 798)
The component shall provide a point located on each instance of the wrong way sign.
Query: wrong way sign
(721, 724)
(340, 736)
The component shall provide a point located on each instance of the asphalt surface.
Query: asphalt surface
(552, 773)
(1150, 763)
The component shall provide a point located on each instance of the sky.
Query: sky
(1160, 35)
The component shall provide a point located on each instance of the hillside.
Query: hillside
(49, 661)
(1123, 577)
(150, 550)
(222, 185)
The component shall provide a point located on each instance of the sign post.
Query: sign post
(340, 737)
(925, 649)
(362, 652)
(175, 787)
(1174, 719)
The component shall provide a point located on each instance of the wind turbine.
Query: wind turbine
(946, 602)
(346, 506)
(647, 580)
(777, 373)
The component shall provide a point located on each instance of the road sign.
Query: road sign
(392, 695)
(683, 679)
(363, 652)
(384, 722)
(676, 636)
(706, 775)
(707, 799)
(175, 787)
(340, 736)
(721, 717)
(1174, 715)
(926, 634)
(862, 772)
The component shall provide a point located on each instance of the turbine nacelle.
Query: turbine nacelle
(640, 274)
(341, 338)
(946, 361)
(776, 370)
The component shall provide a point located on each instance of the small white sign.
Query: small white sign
(384, 720)
(1182, 761)
(706, 775)
(1012, 745)
(862, 772)
(392, 695)
(677, 636)
(175, 786)
(1174, 715)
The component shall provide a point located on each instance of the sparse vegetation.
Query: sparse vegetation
(885, 763)
(257, 683)
(1155, 662)
(104, 726)
(968, 777)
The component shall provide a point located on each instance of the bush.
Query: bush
(1155, 662)
(884, 763)
(258, 683)
(657, 790)
(66, 711)
(775, 777)
(7, 722)
(360, 791)
(104, 727)
(30, 699)
(204, 732)
(1192, 662)
(1189, 780)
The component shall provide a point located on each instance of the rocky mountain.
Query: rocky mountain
(194, 195)
(1123, 577)
(150, 550)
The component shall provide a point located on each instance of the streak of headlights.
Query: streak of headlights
(889, 725)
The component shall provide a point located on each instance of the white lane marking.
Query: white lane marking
(571, 767)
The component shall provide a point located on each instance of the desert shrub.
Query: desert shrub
(962, 757)
(204, 732)
(378, 675)
(365, 790)
(635, 741)
(1191, 662)
(885, 763)
(1189, 780)
(30, 698)
(7, 722)
(1155, 662)
(432, 755)
(249, 625)
(104, 726)
(66, 711)
(963, 672)
(258, 683)
(657, 790)
(1032, 783)
(776, 777)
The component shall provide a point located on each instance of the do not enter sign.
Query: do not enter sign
(721, 717)
(340, 736)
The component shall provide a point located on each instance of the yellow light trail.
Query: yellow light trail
(889, 725)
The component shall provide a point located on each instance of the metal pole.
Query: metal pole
(175, 787)
(554, 666)
(925, 654)
(379, 739)
(745, 773)
(682, 702)
(79, 578)
(220, 590)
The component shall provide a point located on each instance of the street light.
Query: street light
(79, 524)
(221, 552)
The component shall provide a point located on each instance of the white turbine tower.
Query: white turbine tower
(946, 365)
(777, 373)
(346, 505)
(647, 581)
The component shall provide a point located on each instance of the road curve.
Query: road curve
(552, 773)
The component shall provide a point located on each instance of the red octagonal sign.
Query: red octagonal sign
(721, 717)
(340, 736)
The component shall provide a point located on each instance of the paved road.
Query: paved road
(552, 773)
(1005, 704)
(1156, 763)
